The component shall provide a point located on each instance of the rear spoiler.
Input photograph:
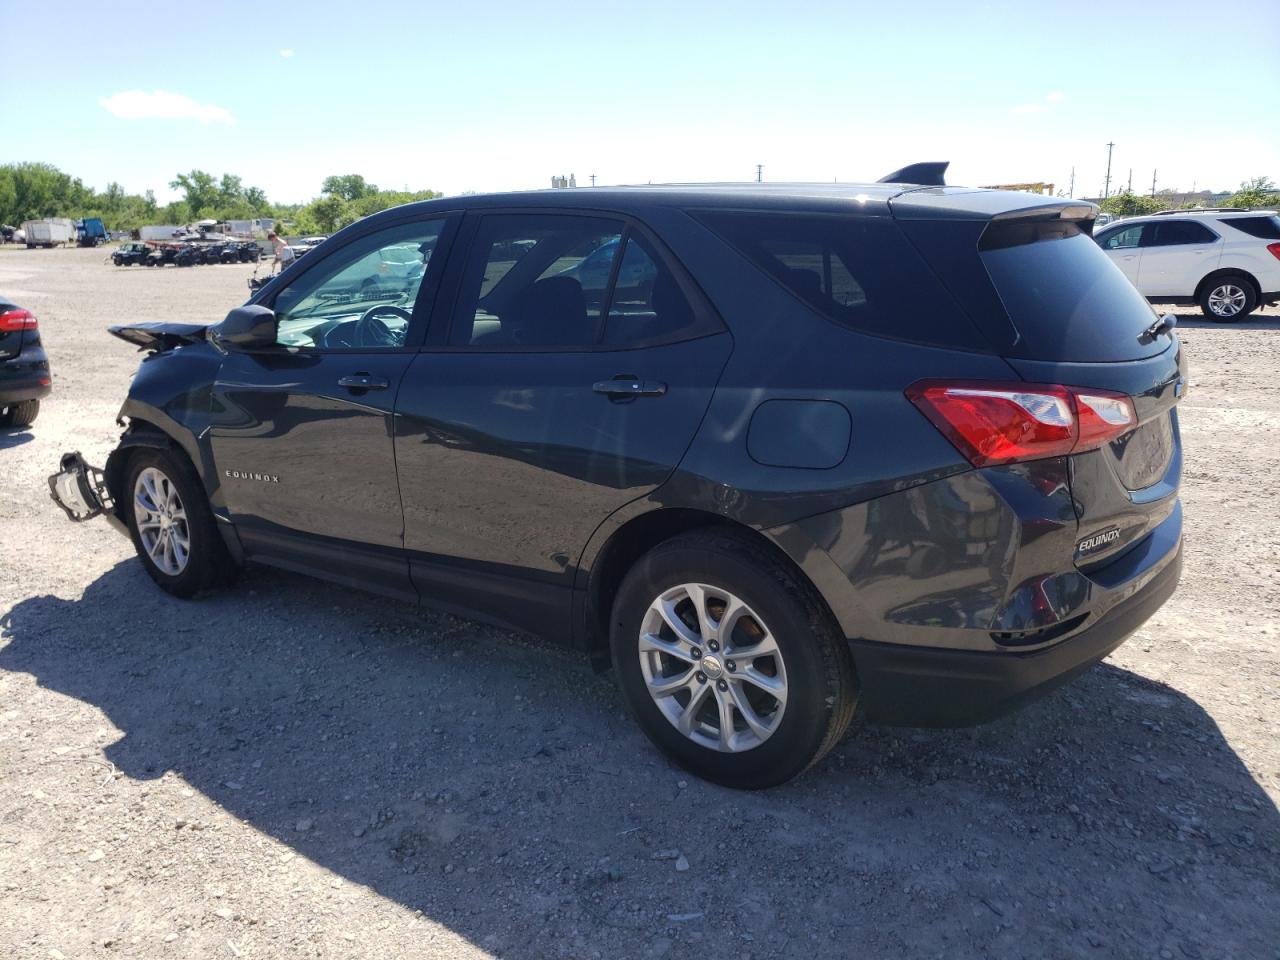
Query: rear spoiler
(160, 336)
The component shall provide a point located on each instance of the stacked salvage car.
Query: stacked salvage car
(186, 254)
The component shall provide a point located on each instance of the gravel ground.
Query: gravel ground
(277, 771)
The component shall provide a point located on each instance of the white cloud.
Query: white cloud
(1056, 97)
(286, 53)
(162, 105)
(1030, 108)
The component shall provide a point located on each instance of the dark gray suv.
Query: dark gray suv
(904, 449)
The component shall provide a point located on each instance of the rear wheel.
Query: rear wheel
(1226, 299)
(172, 527)
(21, 414)
(729, 662)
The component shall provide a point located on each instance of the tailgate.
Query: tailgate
(1126, 488)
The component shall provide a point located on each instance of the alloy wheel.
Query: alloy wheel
(162, 521)
(712, 667)
(1227, 300)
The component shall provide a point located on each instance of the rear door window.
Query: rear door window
(647, 304)
(1172, 233)
(860, 272)
(567, 282)
(536, 281)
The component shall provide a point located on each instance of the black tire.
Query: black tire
(208, 563)
(20, 414)
(1216, 287)
(821, 686)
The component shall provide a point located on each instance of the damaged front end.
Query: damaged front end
(81, 490)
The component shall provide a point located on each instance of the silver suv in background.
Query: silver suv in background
(1226, 261)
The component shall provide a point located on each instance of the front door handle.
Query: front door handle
(363, 381)
(627, 386)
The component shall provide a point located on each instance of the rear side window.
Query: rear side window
(1170, 233)
(1264, 228)
(859, 272)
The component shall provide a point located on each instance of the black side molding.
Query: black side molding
(931, 173)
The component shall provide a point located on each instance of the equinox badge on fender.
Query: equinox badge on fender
(248, 475)
(1097, 541)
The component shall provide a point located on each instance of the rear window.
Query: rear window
(1064, 296)
(1264, 228)
(858, 272)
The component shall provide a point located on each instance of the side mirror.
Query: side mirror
(247, 328)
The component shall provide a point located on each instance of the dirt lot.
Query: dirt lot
(281, 771)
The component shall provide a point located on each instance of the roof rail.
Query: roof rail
(928, 174)
(1179, 213)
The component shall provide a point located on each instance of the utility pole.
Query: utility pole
(1071, 190)
(593, 179)
(1153, 184)
(759, 172)
(1106, 186)
(1130, 187)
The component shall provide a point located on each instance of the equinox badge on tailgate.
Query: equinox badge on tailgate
(1097, 541)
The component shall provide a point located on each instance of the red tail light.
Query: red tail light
(12, 321)
(994, 423)
(1274, 250)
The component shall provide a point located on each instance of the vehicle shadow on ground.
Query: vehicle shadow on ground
(9, 437)
(1195, 320)
(495, 785)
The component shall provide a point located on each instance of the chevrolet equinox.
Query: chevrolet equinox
(777, 453)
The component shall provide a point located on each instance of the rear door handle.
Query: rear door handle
(363, 381)
(624, 386)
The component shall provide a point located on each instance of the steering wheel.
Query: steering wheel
(372, 332)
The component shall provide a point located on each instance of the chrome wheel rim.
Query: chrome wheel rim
(712, 667)
(1226, 300)
(162, 521)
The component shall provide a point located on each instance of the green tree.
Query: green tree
(256, 198)
(230, 191)
(350, 186)
(327, 214)
(1126, 204)
(200, 191)
(1258, 192)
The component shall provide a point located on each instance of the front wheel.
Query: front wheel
(729, 662)
(172, 527)
(1228, 299)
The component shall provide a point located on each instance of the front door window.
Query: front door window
(363, 296)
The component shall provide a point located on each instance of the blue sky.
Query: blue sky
(503, 95)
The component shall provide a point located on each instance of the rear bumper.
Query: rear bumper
(24, 377)
(929, 686)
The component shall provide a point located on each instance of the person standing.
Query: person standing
(284, 254)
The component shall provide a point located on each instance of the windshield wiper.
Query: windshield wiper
(1164, 325)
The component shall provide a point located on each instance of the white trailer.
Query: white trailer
(49, 232)
(166, 232)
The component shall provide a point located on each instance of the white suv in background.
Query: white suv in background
(1228, 261)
